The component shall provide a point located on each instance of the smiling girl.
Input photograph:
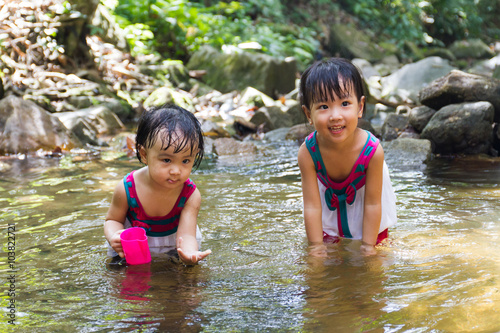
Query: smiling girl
(346, 187)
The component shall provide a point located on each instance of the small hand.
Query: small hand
(116, 243)
(368, 250)
(191, 258)
(318, 250)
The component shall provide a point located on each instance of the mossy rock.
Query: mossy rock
(237, 70)
(472, 48)
(350, 42)
(171, 73)
(440, 52)
(167, 95)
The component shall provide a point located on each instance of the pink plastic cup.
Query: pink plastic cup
(135, 246)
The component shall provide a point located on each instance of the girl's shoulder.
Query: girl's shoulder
(310, 139)
(138, 175)
(304, 154)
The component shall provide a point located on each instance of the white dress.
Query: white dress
(355, 211)
(343, 203)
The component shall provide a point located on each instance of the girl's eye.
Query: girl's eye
(186, 161)
(345, 103)
(323, 107)
(167, 160)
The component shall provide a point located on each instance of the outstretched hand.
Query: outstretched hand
(191, 257)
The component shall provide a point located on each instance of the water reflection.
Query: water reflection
(345, 290)
(161, 295)
(438, 272)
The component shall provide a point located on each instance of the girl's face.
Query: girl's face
(336, 120)
(168, 168)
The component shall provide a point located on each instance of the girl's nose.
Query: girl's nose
(175, 170)
(334, 114)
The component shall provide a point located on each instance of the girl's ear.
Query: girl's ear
(361, 106)
(307, 112)
(144, 155)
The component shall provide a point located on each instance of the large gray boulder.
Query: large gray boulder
(239, 69)
(404, 153)
(458, 87)
(404, 85)
(88, 124)
(420, 116)
(461, 128)
(26, 127)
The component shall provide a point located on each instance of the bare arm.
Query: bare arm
(311, 198)
(373, 202)
(187, 246)
(113, 226)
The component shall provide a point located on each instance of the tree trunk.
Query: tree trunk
(75, 29)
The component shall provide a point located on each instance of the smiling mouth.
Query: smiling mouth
(335, 128)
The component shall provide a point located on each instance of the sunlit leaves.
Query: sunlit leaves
(176, 28)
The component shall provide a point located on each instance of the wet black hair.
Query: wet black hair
(324, 78)
(169, 121)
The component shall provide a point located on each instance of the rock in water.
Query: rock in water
(25, 127)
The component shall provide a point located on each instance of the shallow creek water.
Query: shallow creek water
(438, 273)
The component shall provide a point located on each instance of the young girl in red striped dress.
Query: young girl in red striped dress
(160, 197)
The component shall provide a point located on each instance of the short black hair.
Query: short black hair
(324, 78)
(170, 120)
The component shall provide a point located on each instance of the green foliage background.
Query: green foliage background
(175, 28)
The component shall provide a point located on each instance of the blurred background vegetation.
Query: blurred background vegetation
(173, 29)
